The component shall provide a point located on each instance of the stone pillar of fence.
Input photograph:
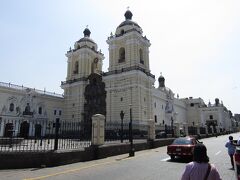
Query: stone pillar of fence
(198, 129)
(98, 125)
(177, 129)
(151, 129)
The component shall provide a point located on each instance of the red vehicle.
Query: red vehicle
(237, 162)
(182, 147)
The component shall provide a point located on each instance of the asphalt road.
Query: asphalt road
(151, 164)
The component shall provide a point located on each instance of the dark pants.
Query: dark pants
(231, 157)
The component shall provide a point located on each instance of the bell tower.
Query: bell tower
(129, 81)
(83, 60)
(128, 47)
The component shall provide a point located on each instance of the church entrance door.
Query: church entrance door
(24, 129)
(8, 131)
(38, 130)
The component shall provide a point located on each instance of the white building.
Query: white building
(25, 112)
(128, 84)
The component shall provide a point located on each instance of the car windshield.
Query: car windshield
(182, 141)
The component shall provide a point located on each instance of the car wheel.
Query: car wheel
(172, 157)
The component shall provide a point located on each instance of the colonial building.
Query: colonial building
(127, 85)
(22, 109)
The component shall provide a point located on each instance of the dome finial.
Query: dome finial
(86, 32)
(128, 14)
(161, 81)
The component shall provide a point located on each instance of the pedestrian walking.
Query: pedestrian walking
(200, 168)
(231, 149)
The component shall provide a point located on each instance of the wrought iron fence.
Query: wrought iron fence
(42, 135)
(33, 135)
(192, 130)
(202, 130)
(115, 131)
(160, 131)
(140, 131)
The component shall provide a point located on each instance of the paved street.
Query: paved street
(145, 165)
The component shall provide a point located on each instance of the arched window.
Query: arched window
(40, 110)
(141, 56)
(121, 55)
(75, 68)
(11, 107)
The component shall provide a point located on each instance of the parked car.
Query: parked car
(237, 162)
(161, 134)
(182, 147)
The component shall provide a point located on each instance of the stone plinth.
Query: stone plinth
(98, 125)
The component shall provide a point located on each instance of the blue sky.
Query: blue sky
(195, 44)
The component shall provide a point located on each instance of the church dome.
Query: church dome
(128, 15)
(86, 37)
(128, 24)
(86, 32)
(161, 81)
(85, 41)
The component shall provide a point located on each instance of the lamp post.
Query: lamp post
(172, 127)
(131, 152)
(122, 116)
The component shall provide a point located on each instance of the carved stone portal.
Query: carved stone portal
(95, 100)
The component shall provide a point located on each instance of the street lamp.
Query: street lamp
(172, 127)
(131, 152)
(122, 116)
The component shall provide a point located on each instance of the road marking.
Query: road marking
(78, 169)
(165, 159)
(68, 171)
(87, 167)
(217, 153)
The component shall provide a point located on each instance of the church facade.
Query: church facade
(128, 84)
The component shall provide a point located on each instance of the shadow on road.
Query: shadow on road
(180, 160)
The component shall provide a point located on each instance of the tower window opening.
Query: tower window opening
(75, 68)
(211, 117)
(141, 56)
(155, 117)
(121, 55)
(122, 32)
